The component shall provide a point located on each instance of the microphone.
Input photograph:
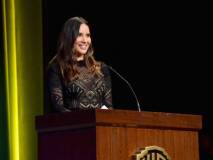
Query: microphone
(129, 85)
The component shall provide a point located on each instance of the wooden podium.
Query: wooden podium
(116, 134)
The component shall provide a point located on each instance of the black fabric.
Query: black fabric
(86, 92)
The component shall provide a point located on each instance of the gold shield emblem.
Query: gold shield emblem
(151, 153)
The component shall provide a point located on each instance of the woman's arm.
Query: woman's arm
(107, 98)
(55, 88)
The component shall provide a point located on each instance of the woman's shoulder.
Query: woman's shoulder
(103, 64)
(53, 65)
(104, 68)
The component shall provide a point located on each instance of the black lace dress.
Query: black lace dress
(86, 92)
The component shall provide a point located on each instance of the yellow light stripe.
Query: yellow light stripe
(23, 100)
(11, 77)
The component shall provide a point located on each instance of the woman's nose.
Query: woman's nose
(84, 38)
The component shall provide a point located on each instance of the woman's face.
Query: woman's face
(83, 41)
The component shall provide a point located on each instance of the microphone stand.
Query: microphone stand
(138, 104)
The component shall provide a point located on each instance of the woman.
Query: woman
(75, 79)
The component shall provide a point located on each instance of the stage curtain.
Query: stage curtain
(22, 76)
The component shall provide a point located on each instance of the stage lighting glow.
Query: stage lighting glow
(11, 77)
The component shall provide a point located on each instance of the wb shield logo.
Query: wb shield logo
(152, 153)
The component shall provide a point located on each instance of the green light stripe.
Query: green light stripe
(3, 116)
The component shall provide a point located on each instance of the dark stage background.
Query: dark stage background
(162, 49)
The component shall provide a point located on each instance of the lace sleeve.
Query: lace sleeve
(55, 89)
(107, 99)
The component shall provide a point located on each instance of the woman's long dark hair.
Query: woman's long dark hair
(65, 56)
